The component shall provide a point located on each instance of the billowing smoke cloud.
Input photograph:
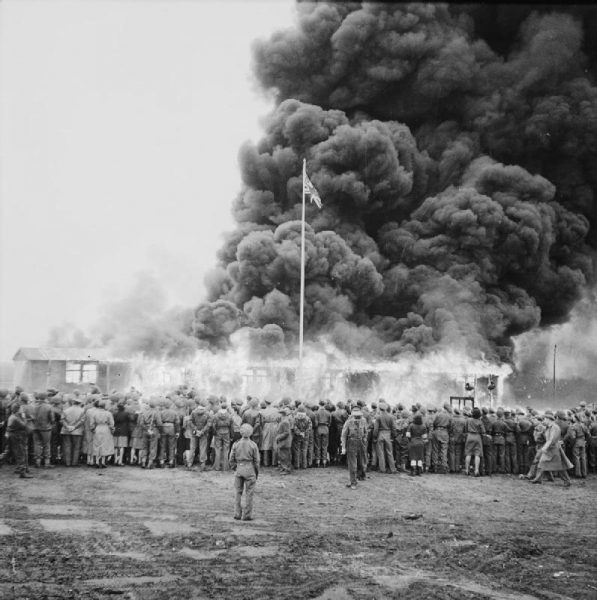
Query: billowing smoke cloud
(140, 322)
(455, 156)
(68, 335)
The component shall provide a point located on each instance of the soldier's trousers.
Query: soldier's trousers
(439, 447)
(168, 448)
(384, 452)
(323, 438)
(42, 445)
(427, 454)
(71, 449)
(523, 449)
(284, 458)
(455, 455)
(56, 445)
(355, 459)
(246, 484)
(511, 458)
(222, 444)
(201, 443)
(579, 453)
(402, 451)
(593, 454)
(310, 447)
(500, 457)
(149, 450)
(299, 451)
(488, 461)
(17, 445)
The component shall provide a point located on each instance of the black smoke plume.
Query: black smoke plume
(454, 148)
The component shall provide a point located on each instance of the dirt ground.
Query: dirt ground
(129, 533)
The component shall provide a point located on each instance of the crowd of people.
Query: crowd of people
(183, 428)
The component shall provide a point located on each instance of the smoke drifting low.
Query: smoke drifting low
(455, 160)
(141, 322)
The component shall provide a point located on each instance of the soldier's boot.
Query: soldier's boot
(171, 465)
(317, 464)
(48, 464)
(37, 464)
(25, 475)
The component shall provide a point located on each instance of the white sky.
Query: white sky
(120, 125)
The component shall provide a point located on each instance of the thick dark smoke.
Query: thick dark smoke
(454, 148)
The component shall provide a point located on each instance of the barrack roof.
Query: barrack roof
(68, 354)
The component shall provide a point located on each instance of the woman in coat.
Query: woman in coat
(87, 448)
(553, 459)
(473, 446)
(417, 435)
(102, 425)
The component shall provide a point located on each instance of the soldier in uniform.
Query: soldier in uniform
(253, 417)
(457, 439)
(43, 422)
(300, 438)
(222, 430)
(593, 443)
(354, 445)
(577, 436)
(169, 434)
(428, 417)
(150, 422)
(16, 432)
(202, 425)
(441, 438)
(525, 442)
(402, 423)
(284, 441)
(270, 417)
(323, 418)
(56, 404)
(313, 448)
(244, 459)
(72, 431)
(511, 456)
(384, 433)
(498, 433)
(552, 457)
(339, 416)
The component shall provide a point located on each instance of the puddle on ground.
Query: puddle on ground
(132, 555)
(168, 527)
(403, 580)
(335, 593)
(250, 532)
(54, 509)
(152, 515)
(5, 529)
(109, 583)
(84, 526)
(201, 554)
(256, 551)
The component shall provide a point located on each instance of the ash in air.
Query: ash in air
(454, 149)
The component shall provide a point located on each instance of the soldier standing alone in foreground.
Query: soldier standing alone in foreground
(244, 459)
(354, 438)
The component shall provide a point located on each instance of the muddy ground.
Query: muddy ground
(129, 533)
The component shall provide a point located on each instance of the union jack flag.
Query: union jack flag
(309, 188)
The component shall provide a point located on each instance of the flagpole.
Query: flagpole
(302, 300)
